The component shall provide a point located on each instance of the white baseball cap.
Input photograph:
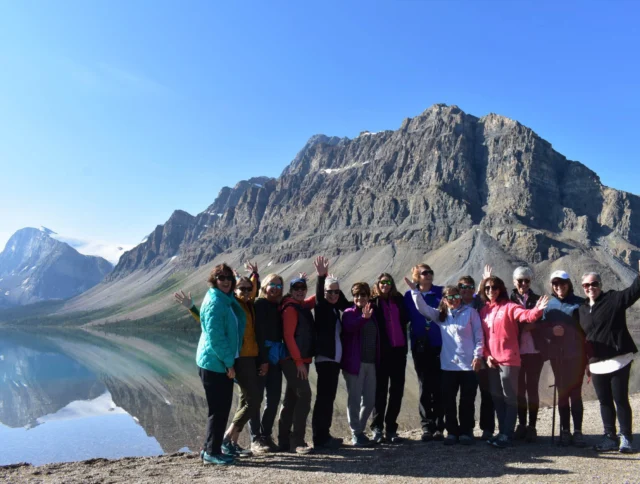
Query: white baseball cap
(559, 275)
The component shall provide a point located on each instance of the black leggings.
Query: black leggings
(610, 388)
(528, 383)
(568, 375)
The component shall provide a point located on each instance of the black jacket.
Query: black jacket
(326, 316)
(605, 323)
(268, 325)
(405, 319)
(537, 332)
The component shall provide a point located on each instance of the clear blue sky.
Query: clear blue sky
(115, 113)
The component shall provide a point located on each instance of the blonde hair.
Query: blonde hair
(415, 272)
(268, 280)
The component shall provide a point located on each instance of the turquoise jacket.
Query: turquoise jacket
(221, 338)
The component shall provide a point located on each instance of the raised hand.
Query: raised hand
(303, 275)
(251, 267)
(410, 283)
(542, 302)
(236, 274)
(488, 270)
(183, 299)
(367, 311)
(322, 265)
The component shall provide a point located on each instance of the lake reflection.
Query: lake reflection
(75, 395)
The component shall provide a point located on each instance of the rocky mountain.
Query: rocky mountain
(35, 266)
(439, 176)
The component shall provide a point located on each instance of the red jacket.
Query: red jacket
(501, 334)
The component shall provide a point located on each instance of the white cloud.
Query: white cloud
(87, 246)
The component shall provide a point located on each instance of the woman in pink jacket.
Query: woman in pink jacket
(500, 318)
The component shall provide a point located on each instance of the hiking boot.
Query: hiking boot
(531, 435)
(520, 433)
(467, 439)
(578, 439)
(438, 435)
(450, 439)
(332, 443)
(426, 436)
(360, 440)
(220, 459)
(502, 441)
(394, 438)
(240, 452)
(564, 438)
(302, 449)
(608, 443)
(228, 448)
(486, 436)
(259, 446)
(377, 437)
(268, 441)
(625, 445)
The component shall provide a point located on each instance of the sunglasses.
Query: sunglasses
(524, 281)
(465, 286)
(360, 294)
(587, 285)
(451, 297)
(332, 292)
(244, 289)
(559, 282)
(491, 288)
(273, 284)
(426, 273)
(385, 283)
(299, 287)
(222, 278)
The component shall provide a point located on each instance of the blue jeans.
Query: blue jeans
(504, 391)
(272, 383)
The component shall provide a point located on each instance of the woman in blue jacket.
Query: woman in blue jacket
(222, 320)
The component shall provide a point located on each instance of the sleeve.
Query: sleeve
(213, 325)
(523, 315)
(478, 334)
(195, 313)
(627, 297)
(320, 288)
(310, 302)
(352, 321)
(289, 324)
(423, 308)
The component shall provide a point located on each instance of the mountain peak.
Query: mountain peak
(47, 231)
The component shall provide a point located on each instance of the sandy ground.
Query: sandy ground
(408, 462)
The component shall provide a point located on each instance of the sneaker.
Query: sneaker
(625, 445)
(486, 435)
(240, 452)
(284, 447)
(531, 435)
(332, 443)
(394, 438)
(467, 439)
(220, 459)
(426, 436)
(302, 449)
(360, 440)
(259, 446)
(502, 441)
(520, 433)
(492, 439)
(438, 435)
(377, 436)
(578, 439)
(201, 454)
(268, 441)
(450, 439)
(228, 448)
(565, 438)
(608, 443)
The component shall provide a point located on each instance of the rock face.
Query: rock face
(424, 186)
(34, 266)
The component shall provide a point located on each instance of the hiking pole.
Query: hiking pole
(555, 394)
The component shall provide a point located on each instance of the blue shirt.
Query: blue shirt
(419, 322)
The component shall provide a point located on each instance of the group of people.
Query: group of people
(461, 338)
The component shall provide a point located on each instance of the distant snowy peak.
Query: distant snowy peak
(47, 231)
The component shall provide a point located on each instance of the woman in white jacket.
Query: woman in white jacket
(461, 357)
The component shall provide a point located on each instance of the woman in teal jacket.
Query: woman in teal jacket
(222, 320)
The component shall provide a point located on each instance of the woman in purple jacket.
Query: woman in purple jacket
(360, 353)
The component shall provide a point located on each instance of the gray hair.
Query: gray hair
(330, 280)
(523, 272)
(594, 274)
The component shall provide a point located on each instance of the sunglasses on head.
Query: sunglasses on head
(244, 289)
(360, 294)
(490, 288)
(587, 285)
(273, 284)
(524, 281)
(465, 286)
(299, 287)
(385, 283)
(426, 273)
(451, 297)
(222, 278)
(332, 292)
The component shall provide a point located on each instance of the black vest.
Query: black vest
(305, 332)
